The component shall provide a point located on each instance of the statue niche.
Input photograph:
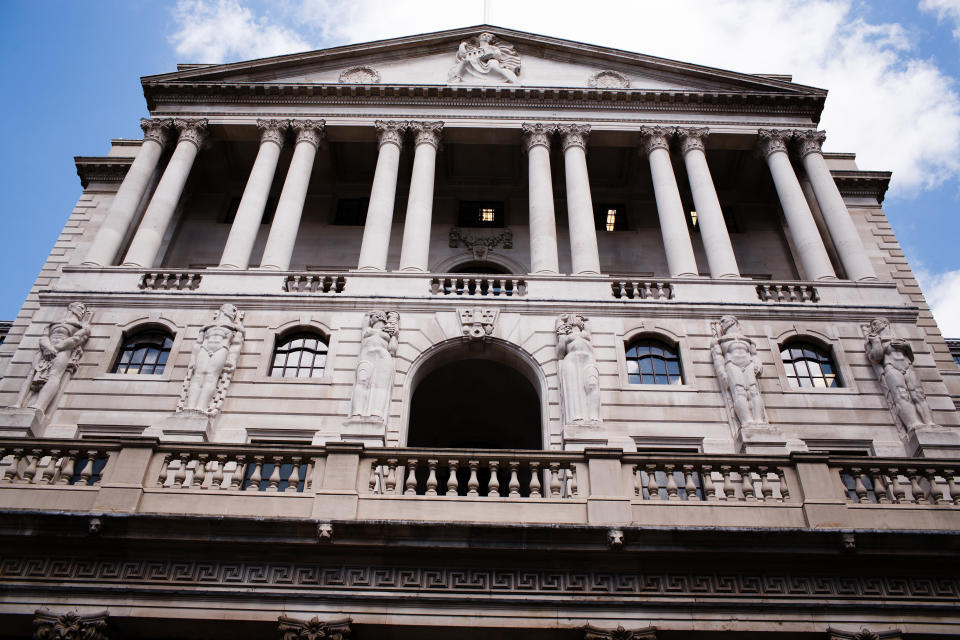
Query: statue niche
(738, 367)
(212, 363)
(892, 360)
(485, 57)
(374, 382)
(579, 376)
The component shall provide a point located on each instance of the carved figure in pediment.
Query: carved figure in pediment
(892, 359)
(374, 383)
(212, 363)
(738, 367)
(61, 348)
(579, 376)
(486, 57)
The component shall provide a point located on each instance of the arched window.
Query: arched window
(651, 361)
(299, 355)
(809, 365)
(144, 352)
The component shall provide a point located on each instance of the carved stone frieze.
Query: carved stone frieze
(574, 135)
(488, 58)
(863, 634)
(192, 130)
(537, 134)
(390, 131)
(656, 138)
(773, 140)
(477, 323)
(692, 138)
(212, 363)
(375, 367)
(579, 375)
(309, 131)
(480, 243)
(608, 79)
(359, 75)
(69, 626)
(738, 367)
(273, 131)
(809, 141)
(313, 629)
(427, 133)
(595, 633)
(157, 130)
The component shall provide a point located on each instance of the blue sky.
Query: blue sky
(893, 70)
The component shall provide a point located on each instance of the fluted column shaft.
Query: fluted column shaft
(278, 252)
(803, 228)
(543, 223)
(114, 229)
(415, 250)
(713, 227)
(583, 235)
(146, 243)
(377, 228)
(673, 221)
(246, 223)
(835, 214)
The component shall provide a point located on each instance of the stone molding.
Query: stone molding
(574, 135)
(192, 130)
(870, 184)
(109, 169)
(156, 130)
(595, 633)
(69, 626)
(310, 131)
(771, 141)
(537, 134)
(390, 132)
(427, 133)
(809, 142)
(313, 629)
(692, 138)
(608, 79)
(273, 131)
(362, 74)
(656, 138)
(863, 634)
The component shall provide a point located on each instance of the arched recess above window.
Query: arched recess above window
(809, 364)
(299, 354)
(144, 351)
(653, 361)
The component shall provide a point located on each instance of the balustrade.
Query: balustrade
(170, 280)
(478, 286)
(921, 482)
(686, 480)
(262, 471)
(787, 292)
(75, 465)
(642, 290)
(314, 283)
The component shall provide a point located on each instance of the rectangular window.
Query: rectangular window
(475, 213)
(351, 211)
(610, 217)
(234, 205)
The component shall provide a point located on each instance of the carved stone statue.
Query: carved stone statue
(892, 359)
(212, 363)
(374, 383)
(738, 366)
(486, 57)
(579, 376)
(61, 348)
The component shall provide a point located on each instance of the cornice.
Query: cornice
(862, 183)
(101, 169)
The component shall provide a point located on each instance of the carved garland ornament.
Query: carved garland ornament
(360, 75)
(608, 79)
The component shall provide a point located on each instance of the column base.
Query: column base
(934, 441)
(20, 422)
(186, 426)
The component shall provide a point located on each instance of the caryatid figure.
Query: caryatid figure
(61, 348)
(374, 383)
(212, 363)
(579, 376)
(892, 358)
(738, 366)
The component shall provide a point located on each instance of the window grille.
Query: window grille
(301, 355)
(144, 352)
(653, 362)
(809, 365)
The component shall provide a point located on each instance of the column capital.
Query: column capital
(427, 133)
(574, 135)
(809, 141)
(692, 138)
(390, 132)
(273, 131)
(192, 130)
(772, 140)
(656, 138)
(310, 131)
(537, 134)
(156, 130)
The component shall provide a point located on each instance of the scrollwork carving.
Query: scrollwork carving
(273, 131)
(192, 130)
(608, 79)
(486, 57)
(359, 75)
(595, 633)
(574, 135)
(313, 629)
(809, 141)
(773, 140)
(309, 131)
(692, 138)
(212, 363)
(390, 132)
(656, 138)
(156, 130)
(537, 134)
(69, 626)
(427, 133)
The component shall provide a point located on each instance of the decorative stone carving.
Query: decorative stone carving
(574, 135)
(537, 134)
(69, 626)
(212, 363)
(595, 633)
(809, 141)
(313, 629)
(477, 323)
(312, 131)
(579, 376)
(892, 359)
(738, 366)
(615, 538)
(608, 79)
(656, 138)
(359, 75)
(479, 243)
(324, 531)
(863, 634)
(427, 133)
(773, 140)
(61, 347)
(486, 57)
(273, 131)
(390, 131)
(374, 382)
(156, 130)
(692, 138)
(192, 129)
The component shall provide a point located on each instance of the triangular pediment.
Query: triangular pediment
(465, 57)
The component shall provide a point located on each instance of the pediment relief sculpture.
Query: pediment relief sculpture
(212, 363)
(486, 58)
(608, 79)
(360, 75)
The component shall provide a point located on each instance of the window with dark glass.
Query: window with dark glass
(351, 211)
(652, 361)
(809, 365)
(144, 352)
(300, 355)
(234, 205)
(610, 217)
(475, 213)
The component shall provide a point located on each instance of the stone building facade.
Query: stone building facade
(478, 332)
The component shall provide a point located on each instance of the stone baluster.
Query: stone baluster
(236, 476)
(452, 483)
(10, 473)
(573, 480)
(410, 485)
(937, 494)
(673, 221)
(273, 481)
(953, 485)
(31, 469)
(585, 256)
(555, 485)
(637, 481)
(415, 250)
(253, 483)
(432, 477)
(746, 478)
(803, 229)
(217, 482)
(246, 222)
(514, 484)
(653, 489)
(919, 497)
(673, 492)
(859, 488)
(493, 487)
(179, 476)
(535, 480)
(293, 480)
(842, 229)
(49, 471)
(391, 487)
(543, 224)
(67, 467)
(278, 252)
(200, 471)
(473, 484)
(145, 247)
(376, 230)
(899, 491)
(706, 477)
(164, 470)
(879, 485)
(713, 227)
(688, 484)
(729, 490)
(374, 476)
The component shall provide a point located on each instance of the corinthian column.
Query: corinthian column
(713, 228)
(376, 230)
(543, 224)
(803, 229)
(583, 234)
(114, 229)
(673, 221)
(286, 221)
(415, 251)
(246, 224)
(839, 223)
(146, 242)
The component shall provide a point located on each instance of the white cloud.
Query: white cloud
(946, 10)
(942, 292)
(224, 30)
